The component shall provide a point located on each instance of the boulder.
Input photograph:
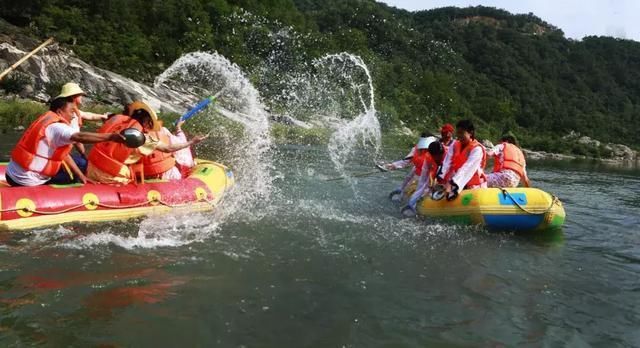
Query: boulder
(54, 66)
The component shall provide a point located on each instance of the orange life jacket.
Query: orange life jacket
(26, 150)
(158, 162)
(109, 157)
(460, 157)
(418, 162)
(512, 159)
(418, 159)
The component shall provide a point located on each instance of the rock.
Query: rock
(55, 65)
(623, 152)
(27, 91)
(588, 141)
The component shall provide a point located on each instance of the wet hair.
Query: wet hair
(141, 116)
(58, 104)
(467, 125)
(509, 138)
(436, 148)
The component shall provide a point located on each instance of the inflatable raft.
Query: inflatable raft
(31, 207)
(513, 209)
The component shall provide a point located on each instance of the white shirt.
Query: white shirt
(462, 176)
(56, 135)
(406, 161)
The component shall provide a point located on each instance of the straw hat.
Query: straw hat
(137, 105)
(70, 89)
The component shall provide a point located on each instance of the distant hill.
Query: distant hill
(508, 72)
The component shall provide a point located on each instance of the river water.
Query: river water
(333, 264)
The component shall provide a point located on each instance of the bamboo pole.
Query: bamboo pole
(11, 68)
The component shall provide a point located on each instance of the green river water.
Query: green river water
(333, 264)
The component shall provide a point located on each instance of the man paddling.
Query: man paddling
(463, 166)
(43, 150)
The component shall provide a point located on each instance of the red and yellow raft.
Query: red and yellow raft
(32, 207)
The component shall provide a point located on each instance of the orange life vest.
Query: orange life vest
(26, 151)
(460, 157)
(418, 159)
(512, 159)
(109, 157)
(158, 162)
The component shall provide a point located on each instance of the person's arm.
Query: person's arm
(90, 116)
(94, 138)
(76, 171)
(81, 149)
(446, 163)
(170, 148)
(403, 163)
(525, 177)
(495, 151)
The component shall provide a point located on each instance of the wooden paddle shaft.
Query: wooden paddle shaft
(11, 68)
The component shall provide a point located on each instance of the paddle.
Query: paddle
(199, 107)
(380, 169)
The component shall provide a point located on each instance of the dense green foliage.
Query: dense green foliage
(506, 71)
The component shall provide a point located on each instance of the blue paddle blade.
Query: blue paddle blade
(199, 107)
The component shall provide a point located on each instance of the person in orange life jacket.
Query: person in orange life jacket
(44, 148)
(420, 153)
(74, 93)
(463, 166)
(432, 161)
(446, 133)
(112, 163)
(173, 166)
(509, 165)
(406, 161)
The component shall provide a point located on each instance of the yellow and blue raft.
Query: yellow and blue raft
(512, 209)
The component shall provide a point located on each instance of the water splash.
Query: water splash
(362, 132)
(334, 92)
(246, 150)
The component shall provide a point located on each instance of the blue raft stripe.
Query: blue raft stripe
(513, 222)
(521, 198)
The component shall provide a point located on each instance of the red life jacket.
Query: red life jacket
(26, 151)
(109, 157)
(512, 159)
(460, 157)
(158, 162)
(418, 159)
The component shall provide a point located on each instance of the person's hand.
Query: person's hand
(104, 116)
(117, 138)
(84, 180)
(179, 126)
(198, 139)
(390, 166)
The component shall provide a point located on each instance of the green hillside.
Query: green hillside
(508, 72)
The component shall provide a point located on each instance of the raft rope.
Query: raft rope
(553, 202)
(138, 205)
(102, 205)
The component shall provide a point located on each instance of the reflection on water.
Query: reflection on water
(323, 267)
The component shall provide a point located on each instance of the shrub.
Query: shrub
(15, 82)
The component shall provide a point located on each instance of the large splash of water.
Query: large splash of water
(364, 129)
(246, 150)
